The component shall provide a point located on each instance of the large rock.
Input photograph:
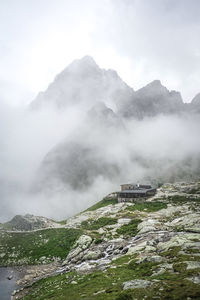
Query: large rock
(185, 240)
(190, 222)
(194, 279)
(137, 248)
(85, 267)
(81, 244)
(136, 284)
(192, 265)
(149, 225)
(93, 255)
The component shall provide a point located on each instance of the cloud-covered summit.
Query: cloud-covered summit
(83, 83)
(87, 133)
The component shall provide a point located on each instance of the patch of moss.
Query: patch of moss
(171, 252)
(96, 224)
(192, 250)
(173, 255)
(194, 191)
(124, 296)
(180, 267)
(124, 259)
(129, 229)
(178, 199)
(147, 206)
(98, 241)
(142, 269)
(102, 203)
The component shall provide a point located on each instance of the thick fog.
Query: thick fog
(141, 39)
(56, 162)
(88, 131)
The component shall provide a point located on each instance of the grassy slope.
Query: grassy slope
(148, 206)
(167, 287)
(62, 287)
(110, 282)
(102, 203)
(96, 224)
(29, 247)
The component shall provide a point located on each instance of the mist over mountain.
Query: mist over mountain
(83, 83)
(88, 133)
(151, 100)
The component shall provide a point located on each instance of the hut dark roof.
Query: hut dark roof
(137, 191)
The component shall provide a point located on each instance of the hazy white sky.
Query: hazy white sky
(142, 40)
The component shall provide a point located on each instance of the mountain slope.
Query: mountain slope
(147, 249)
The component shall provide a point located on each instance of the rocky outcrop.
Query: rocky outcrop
(28, 223)
(136, 284)
(77, 251)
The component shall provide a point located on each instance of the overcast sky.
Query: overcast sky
(142, 40)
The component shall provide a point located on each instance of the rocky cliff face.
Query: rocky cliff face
(144, 250)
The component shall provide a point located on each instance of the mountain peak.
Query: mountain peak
(156, 85)
(155, 82)
(83, 63)
(88, 59)
(153, 88)
(83, 81)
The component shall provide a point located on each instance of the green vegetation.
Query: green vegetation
(102, 203)
(171, 252)
(124, 296)
(96, 224)
(87, 287)
(98, 241)
(147, 206)
(142, 269)
(37, 246)
(173, 255)
(177, 199)
(108, 285)
(195, 191)
(129, 229)
(124, 260)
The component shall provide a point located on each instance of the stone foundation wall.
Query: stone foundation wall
(139, 199)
